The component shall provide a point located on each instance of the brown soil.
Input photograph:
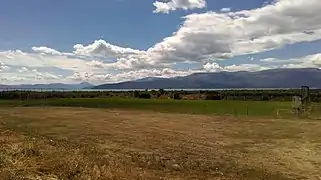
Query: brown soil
(80, 143)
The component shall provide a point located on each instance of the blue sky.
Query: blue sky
(61, 24)
(124, 39)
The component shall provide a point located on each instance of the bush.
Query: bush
(316, 99)
(213, 97)
(136, 94)
(265, 98)
(161, 91)
(176, 96)
(145, 96)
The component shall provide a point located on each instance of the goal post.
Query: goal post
(305, 100)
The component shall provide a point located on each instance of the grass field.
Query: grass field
(223, 107)
(252, 108)
(136, 139)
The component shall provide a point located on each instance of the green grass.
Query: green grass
(225, 107)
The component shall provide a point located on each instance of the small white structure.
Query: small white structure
(296, 102)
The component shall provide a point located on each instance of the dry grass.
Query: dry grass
(80, 143)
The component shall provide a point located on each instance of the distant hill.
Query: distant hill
(148, 79)
(49, 86)
(274, 78)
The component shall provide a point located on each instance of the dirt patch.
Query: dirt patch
(119, 144)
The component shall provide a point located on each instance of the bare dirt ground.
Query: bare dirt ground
(80, 143)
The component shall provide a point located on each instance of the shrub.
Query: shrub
(161, 91)
(176, 96)
(265, 98)
(136, 94)
(145, 96)
(213, 97)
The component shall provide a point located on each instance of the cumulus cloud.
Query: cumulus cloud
(225, 9)
(310, 61)
(129, 75)
(29, 75)
(23, 69)
(214, 67)
(96, 64)
(215, 36)
(80, 76)
(81, 69)
(46, 50)
(172, 5)
(98, 72)
(25, 59)
(126, 58)
(3, 66)
(45, 76)
(102, 48)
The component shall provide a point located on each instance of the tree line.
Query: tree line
(257, 95)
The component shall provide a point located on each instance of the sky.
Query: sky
(108, 41)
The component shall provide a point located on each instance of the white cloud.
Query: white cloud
(45, 50)
(126, 58)
(172, 5)
(45, 76)
(98, 72)
(310, 61)
(80, 76)
(96, 64)
(246, 67)
(24, 59)
(81, 69)
(30, 76)
(225, 9)
(102, 48)
(23, 69)
(216, 35)
(214, 67)
(213, 36)
(3, 66)
(129, 75)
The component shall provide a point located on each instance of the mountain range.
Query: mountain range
(83, 85)
(274, 78)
